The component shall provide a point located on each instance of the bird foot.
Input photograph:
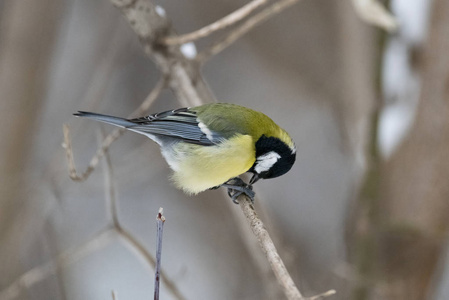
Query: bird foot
(236, 187)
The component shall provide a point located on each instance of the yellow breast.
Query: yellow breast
(203, 167)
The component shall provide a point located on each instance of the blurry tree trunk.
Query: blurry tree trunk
(358, 51)
(25, 52)
(414, 183)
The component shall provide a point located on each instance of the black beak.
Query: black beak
(254, 179)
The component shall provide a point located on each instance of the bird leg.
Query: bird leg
(236, 187)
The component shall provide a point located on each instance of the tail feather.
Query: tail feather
(120, 122)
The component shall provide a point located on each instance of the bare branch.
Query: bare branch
(114, 135)
(100, 240)
(160, 220)
(266, 243)
(45, 270)
(67, 145)
(143, 17)
(110, 193)
(243, 29)
(223, 23)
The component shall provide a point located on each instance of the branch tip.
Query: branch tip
(323, 295)
(160, 216)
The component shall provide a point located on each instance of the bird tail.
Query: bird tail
(120, 122)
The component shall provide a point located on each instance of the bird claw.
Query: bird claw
(234, 195)
(236, 187)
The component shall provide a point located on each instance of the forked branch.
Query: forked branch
(241, 30)
(223, 23)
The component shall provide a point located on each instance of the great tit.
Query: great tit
(209, 146)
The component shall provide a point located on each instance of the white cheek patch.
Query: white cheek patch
(266, 161)
(206, 131)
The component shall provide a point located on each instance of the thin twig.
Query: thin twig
(266, 243)
(262, 16)
(114, 135)
(160, 220)
(114, 295)
(110, 193)
(223, 23)
(136, 246)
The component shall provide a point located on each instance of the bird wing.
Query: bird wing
(179, 124)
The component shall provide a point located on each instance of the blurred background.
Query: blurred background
(365, 209)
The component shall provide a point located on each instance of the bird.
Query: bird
(211, 145)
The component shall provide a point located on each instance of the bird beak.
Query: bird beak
(254, 178)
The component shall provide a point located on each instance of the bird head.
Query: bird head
(275, 156)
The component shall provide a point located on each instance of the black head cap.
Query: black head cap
(273, 158)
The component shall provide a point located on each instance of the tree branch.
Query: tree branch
(223, 23)
(266, 243)
(249, 24)
(160, 220)
(150, 24)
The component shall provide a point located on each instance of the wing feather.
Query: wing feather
(178, 124)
